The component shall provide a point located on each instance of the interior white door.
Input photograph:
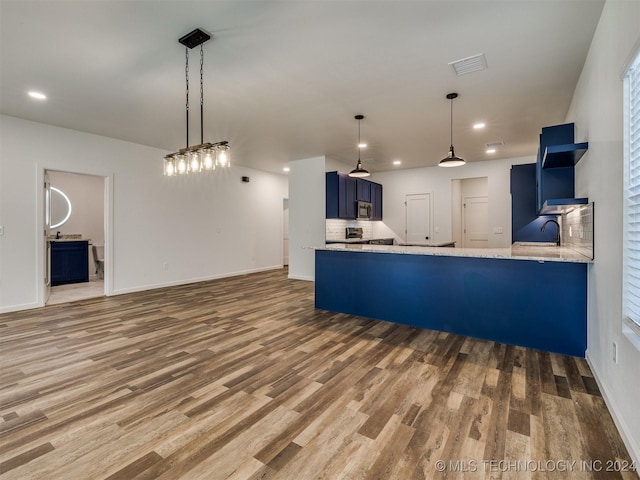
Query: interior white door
(47, 244)
(418, 218)
(476, 222)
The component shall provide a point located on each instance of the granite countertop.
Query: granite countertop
(68, 237)
(541, 253)
(63, 240)
(439, 244)
(348, 240)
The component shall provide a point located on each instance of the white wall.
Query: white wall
(306, 215)
(596, 110)
(86, 193)
(202, 227)
(437, 181)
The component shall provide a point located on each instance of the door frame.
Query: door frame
(40, 223)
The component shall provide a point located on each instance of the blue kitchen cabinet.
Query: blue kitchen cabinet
(340, 196)
(363, 190)
(69, 262)
(343, 192)
(525, 222)
(530, 303)
(555, 172)
(376, 200)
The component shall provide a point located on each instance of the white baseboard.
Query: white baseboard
(154, 286)
(623, 428)
(17, 308)
(301, 277)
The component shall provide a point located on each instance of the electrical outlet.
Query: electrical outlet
(497, 230)
(165, 266)
(615, 353)
(1, 230)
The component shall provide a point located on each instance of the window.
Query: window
(631, 242)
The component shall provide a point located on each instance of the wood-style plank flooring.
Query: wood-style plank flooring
(242, 378)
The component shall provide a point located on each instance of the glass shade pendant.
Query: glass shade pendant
(194, 162)
(169, 166)
(181, 164)
(359, 171)
(451, 160)
(222, 157)
(208, 159)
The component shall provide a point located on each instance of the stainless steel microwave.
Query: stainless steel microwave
(365, 210)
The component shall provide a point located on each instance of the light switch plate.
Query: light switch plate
(1, 230)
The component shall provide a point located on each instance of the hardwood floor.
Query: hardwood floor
(242, 378)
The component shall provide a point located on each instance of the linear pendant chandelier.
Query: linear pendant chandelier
(204, 156)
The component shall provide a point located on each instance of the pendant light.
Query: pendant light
(359, 171)
(204, 156)
(451, 160)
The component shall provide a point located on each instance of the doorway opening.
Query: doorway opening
(470, 212)
(75, 234)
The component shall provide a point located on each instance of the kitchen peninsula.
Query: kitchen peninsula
(522, 295)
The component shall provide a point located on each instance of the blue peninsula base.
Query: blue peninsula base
(529, 303)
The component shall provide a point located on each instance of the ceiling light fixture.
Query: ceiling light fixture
(204, 156)
(478, 126)
(37, 95)
(451, 160)
(491, 150)
(359, 171)
(397, 162)
(285, 169)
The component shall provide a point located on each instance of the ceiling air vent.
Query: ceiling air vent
(469, 64)
(495, 144)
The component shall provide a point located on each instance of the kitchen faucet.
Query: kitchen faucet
(558, 225)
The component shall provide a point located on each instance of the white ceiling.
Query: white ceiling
(284, 79)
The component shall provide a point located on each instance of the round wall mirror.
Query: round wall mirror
(60, 208)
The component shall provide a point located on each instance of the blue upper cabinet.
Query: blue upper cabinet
(340, 196)
(376, 200)
(363, 190)
(343, 192)
(555, 173)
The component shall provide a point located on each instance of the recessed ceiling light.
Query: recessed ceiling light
(491, 150)
(397, 162)
(37, 95)
(478, 125)
(362, 145)
(285, 169)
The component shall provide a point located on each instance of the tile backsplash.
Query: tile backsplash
(335, 228)
(577, 230)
